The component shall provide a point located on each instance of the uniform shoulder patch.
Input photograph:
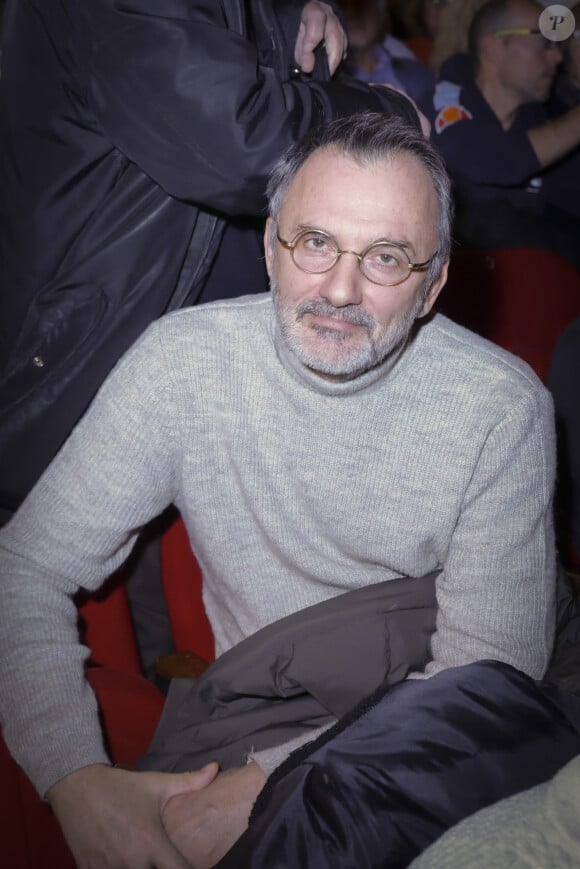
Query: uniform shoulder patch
(451, 115)
(447, 98)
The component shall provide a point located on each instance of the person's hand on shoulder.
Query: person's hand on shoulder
(111, 818)
(423, 120)
(319, 23)
(205, 824)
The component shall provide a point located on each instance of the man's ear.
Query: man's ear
(268, 245)
(489, 46)
(434, 290)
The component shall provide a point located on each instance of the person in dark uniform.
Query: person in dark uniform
(513, 154)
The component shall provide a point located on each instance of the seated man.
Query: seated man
(513, 157)
(325, 438)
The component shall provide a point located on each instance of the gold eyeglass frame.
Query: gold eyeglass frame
(412, 267)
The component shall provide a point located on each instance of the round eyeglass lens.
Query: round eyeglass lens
(382, 263)
(315, 252)
(385, 264)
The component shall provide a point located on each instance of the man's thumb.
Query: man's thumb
(198, 779)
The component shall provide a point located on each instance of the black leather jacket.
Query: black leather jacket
(130, 131)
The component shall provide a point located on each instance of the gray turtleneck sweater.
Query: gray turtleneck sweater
(293, 489)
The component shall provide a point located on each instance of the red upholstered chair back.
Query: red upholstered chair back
(182, 583)
(105, 619)
(106, 627)
(422, 48)
(519, 298)
(30, 837)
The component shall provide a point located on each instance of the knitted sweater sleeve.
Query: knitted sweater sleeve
(496, 590)
(115, 473)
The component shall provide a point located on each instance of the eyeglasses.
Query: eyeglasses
(385, 263)
(547, 44)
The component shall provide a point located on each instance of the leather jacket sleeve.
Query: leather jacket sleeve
(200, 107)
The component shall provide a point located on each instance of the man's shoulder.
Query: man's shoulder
(199, 338)
(471, 362)
(225, 315)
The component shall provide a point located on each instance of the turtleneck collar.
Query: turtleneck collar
(316, 383)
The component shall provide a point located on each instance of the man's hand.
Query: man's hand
(111, 818)
(319, 23)
(423, 120)
(205, 824)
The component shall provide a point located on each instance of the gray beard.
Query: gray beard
(351, 363)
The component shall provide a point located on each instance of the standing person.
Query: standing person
(130, 135)
(412, 442)
(419, 22)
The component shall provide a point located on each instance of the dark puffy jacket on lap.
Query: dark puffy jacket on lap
(406, 766)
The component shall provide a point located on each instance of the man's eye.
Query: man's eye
(383, 259)
(316, 243)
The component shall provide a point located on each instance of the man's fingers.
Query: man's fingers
(335, 40)
(336, 51)
(319, 24)
(196, 780)
(110, 817)
(423, 120)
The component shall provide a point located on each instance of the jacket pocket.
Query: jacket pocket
(59, 331)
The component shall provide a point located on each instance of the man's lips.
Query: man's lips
(322, 315)
(327, 321)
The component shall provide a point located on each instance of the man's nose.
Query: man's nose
(342, 285)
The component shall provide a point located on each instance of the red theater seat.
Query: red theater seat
(519, 298)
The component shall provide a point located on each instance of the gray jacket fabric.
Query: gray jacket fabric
(299, 673)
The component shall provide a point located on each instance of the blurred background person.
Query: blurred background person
(375, 55)
(514, 160)
(418, 22)
(453, 24)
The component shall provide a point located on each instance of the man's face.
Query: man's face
(430, 16)
(366, 24)
(339, 323)
(526, 64)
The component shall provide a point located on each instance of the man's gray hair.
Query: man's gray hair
(369, 138)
